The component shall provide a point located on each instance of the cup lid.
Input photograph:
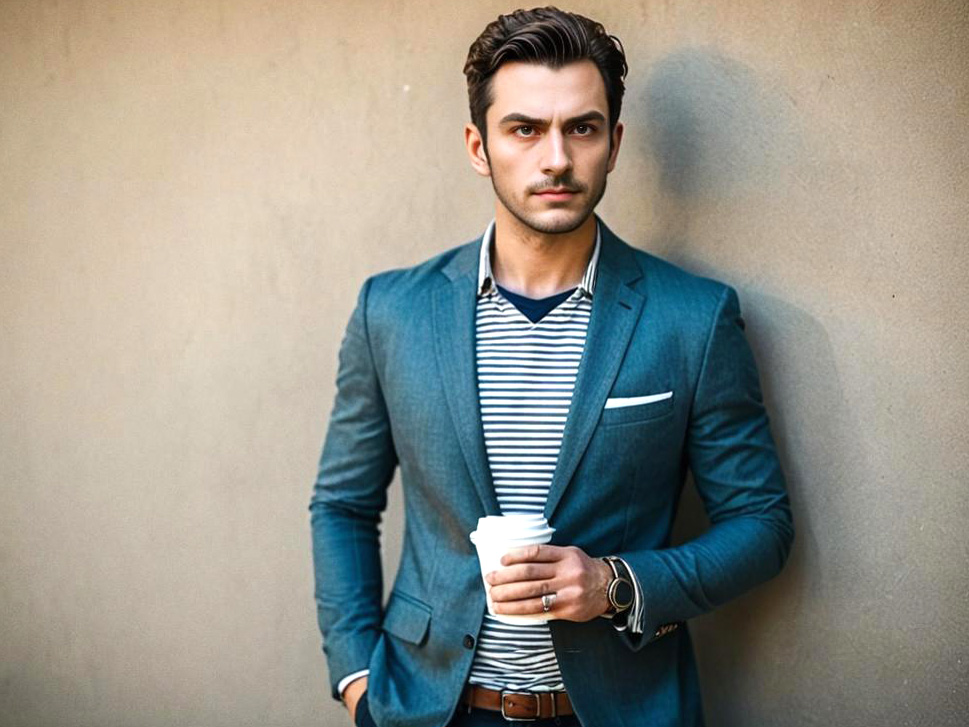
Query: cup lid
(512, 527)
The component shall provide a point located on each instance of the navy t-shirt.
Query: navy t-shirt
(534, 310)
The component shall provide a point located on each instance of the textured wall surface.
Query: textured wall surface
(192, 193)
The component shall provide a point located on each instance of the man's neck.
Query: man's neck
(539, 265)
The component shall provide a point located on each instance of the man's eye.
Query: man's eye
(525, 130)
(584, 129)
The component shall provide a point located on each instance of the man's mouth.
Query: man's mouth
(557, 193)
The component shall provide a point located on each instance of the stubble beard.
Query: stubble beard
(562, 227)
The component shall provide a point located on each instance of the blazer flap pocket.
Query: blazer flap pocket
(628, 409)
(406, 617)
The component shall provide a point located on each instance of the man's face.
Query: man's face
(548, 143)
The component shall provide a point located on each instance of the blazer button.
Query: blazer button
(468, 641)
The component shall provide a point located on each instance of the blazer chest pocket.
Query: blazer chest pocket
(632, 409)
(406, 618)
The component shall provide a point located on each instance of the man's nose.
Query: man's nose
(557, 160)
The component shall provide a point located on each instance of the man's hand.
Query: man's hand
(352, 694)
(578, 582)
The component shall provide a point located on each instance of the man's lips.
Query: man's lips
(557, 193)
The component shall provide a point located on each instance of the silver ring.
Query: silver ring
(547, 600)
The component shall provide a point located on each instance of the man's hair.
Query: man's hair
(545, 36)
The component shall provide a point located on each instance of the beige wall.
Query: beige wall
(192, 193)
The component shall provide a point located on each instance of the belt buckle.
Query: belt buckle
(538, 706)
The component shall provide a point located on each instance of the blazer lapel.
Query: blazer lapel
(454, 307)
(615, 309)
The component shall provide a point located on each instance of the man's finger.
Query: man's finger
(533, 553)
(521, 591)
(524, 607)
(521, 572)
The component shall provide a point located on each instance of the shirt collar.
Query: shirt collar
(486, 281)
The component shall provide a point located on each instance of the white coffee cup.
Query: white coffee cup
(495, 536)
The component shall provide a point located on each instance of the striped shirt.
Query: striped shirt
(526, 376)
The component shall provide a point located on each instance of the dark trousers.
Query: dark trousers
(474, 718)
(487, 718)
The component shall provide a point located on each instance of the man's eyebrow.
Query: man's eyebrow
(524, 119)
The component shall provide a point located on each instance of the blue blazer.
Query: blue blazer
(407, 397)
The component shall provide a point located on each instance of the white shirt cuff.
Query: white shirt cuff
(344, 683)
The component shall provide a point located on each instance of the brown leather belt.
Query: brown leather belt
(519, 706)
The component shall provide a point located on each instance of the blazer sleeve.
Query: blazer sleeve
(356, 466)
(738, 476)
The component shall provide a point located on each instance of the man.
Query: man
(546, 367)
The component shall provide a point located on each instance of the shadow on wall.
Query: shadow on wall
(719, 138)
(714, 129)
(774, 623)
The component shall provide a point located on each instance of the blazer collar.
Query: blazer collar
(616, 308)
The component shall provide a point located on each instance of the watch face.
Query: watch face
(624, 593)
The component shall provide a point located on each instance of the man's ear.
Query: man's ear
(616, 141)
(476, 150)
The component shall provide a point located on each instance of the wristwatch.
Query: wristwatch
(619, 591)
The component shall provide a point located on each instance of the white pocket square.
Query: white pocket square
(618, 401)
